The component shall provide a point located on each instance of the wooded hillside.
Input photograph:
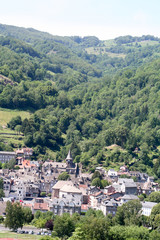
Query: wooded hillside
(84, 94)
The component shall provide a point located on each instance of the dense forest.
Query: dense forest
(84, 94)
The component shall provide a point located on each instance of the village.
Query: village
(38, 187)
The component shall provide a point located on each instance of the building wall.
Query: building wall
(55, 193)
(7, 156)
(69, 195)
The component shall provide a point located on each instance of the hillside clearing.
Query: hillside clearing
(7, 114)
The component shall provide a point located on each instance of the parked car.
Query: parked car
(31, 232)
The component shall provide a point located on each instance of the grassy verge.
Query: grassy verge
(19, 236)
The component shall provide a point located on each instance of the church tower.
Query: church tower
(69, 159)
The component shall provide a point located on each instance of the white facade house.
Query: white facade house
(147, 208)
(112, 173)
(20, 190)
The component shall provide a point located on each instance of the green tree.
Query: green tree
(63, 176)
(104, 183)
(11, 163)
(27, 215)
(14, 122)
(18, 129)
(1, 183)
(1, 219)
(2, 193)
(96, 182)
(154, 213)
(94, 213)
(49, 238)
(64, 225)
(156, 223)
(96, 174)
(14, 216)
(154, 197)
(128, 232)
(78, 234)
(129, 213)
(95, 228)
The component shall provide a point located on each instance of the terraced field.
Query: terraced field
(7, 135)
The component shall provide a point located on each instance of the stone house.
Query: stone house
(71, 193)
(109, 207)
(56, 188)
(128, 186)
(21, 190)
(46, 185)
(6, 186)
(43, 207)
(109, 189)
(95, 199)
(83, 188)
(7, 156)
(60, 206)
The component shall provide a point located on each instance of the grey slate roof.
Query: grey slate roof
(69, 156)
(129, 197)
(130, 184)
(125, 180)
(148, 204)
(66, 202)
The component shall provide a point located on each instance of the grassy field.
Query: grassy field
(7, 135)
(19, 236)
(118, 55)
(101, 51)
(7, 114)
(148, 42)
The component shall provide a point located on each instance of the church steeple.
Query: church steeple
(69, 160)
(69, 156)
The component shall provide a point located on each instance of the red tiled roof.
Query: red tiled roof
(96, 194)
(41, 206)
(26, 163)
(82, 186)
(84, 207)
(111, 193)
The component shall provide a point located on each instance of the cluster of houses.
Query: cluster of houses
(36, 186)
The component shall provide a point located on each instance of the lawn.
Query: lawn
(7, 114)
(19, 236)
